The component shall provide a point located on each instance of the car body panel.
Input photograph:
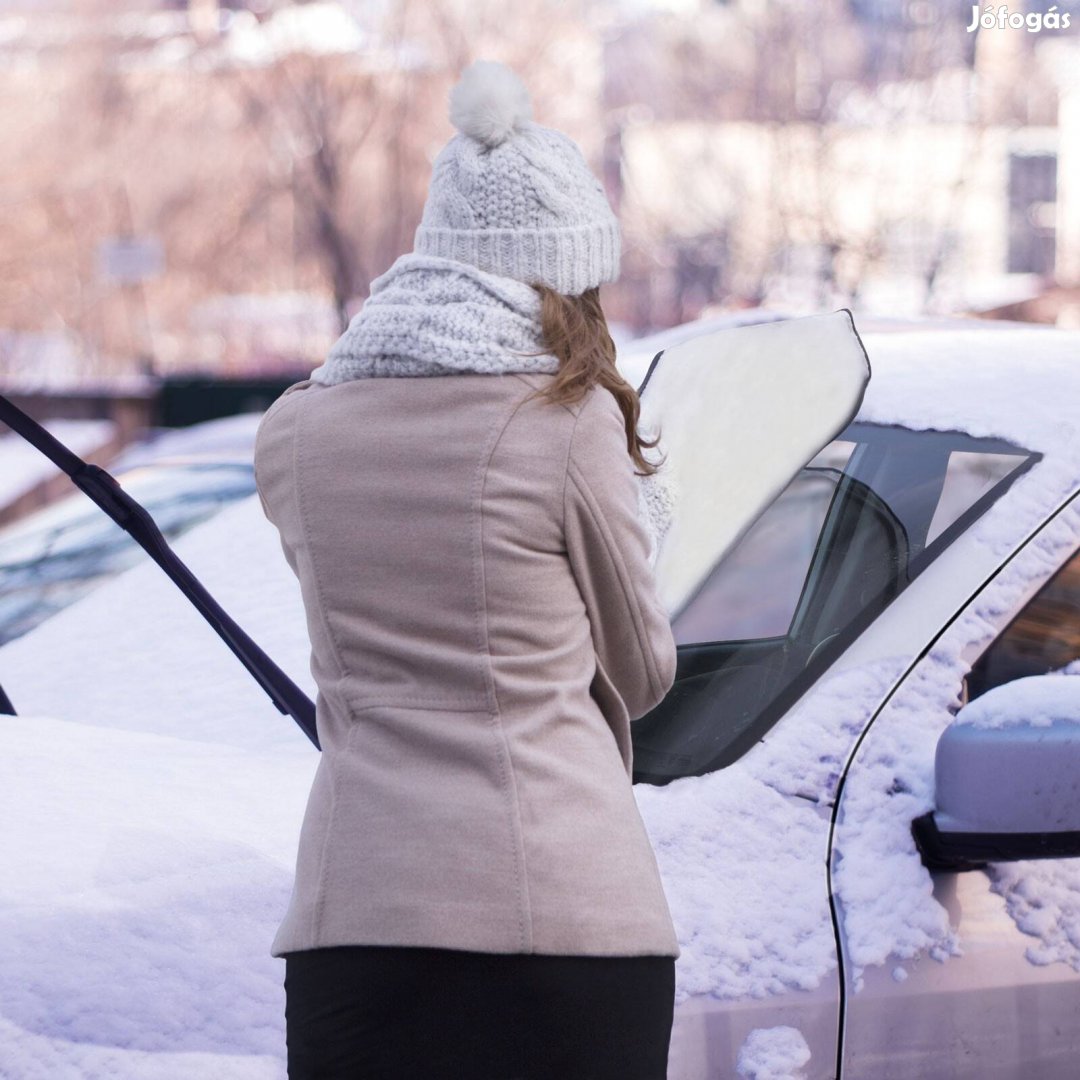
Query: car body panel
(710, 1029)
(962, 990)
(989, 1013)
(706, 1041)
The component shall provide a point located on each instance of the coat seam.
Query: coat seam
(298, 487)
(318, 907)
(582, 485)
(274, 408)
(507, 777)
(425, 704)
(566, 465)
(526, 379)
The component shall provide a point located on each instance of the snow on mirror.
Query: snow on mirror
(740, 412)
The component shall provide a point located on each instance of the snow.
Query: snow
(885, 893)
(969, 379)
(1037, 700)
(151, 872)
(150, 794)
(777, 1053)
(741, 936)
(164, 670)
(23, 466)
(227, 438)
(1012, 384)
(151, 801)
(40, 1058)
(1043, 899)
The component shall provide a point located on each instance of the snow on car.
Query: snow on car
(152, 797)
(49, 558)
(22, 468)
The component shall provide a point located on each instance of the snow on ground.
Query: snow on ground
(23, 466)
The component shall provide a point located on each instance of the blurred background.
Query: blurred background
(196, 194)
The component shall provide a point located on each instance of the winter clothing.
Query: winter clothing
(484, 626)
(401, 1013)
(483, 619)
(434, 316)
(515, 198)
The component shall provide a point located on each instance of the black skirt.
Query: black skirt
(394, 1012)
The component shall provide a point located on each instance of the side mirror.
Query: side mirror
(1007, 778)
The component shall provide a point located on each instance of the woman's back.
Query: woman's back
(483, 629)
(454, 487)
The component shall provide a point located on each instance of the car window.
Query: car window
(846, 536)
(1044, 637)
(968, 477)
(755, 591)
(54, 556)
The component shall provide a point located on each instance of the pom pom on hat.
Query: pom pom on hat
(489, 102)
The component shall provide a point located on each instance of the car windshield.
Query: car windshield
(58, 554)
(856, 526)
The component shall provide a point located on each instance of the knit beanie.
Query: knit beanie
(514, 198)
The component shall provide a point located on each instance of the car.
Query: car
(926, 558)
(55, 555)
(900, 605)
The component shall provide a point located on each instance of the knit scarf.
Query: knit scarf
(429, 315)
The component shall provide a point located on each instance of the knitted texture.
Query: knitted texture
(429, 316)
(514, 198)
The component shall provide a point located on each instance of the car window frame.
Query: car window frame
(827, 651)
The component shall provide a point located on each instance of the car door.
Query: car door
(973, 974)
(737, 768)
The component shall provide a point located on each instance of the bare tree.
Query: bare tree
(303, 168)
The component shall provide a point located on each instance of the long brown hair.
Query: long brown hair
(575, 331)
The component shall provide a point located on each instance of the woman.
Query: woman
(455, 489)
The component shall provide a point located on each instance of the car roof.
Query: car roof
(1012, 381)
(1020, 384)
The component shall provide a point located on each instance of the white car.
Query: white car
(924, 559)
(929, 555)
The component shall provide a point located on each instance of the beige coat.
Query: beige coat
(484, 626)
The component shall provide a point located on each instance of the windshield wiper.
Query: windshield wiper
(102, 488)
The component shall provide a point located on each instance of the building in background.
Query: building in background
(823, 164)
(211, 185)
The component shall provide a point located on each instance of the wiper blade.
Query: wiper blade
(104, 490)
